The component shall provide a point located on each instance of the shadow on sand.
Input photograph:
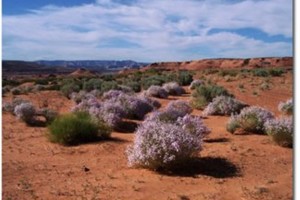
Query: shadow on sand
(216, 167)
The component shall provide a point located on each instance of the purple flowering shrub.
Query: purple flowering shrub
(25, 112)
(163, 116)
(115, 106)
(163, 145)
(180, 107)
(224, 105)
(286, 107)
(111, 94)
(173, 88)
(251, 119)
(81, 95)
(135, 107)
(195, 83)
(108, 112)
(10, 107)
(194, 125)
(154, 103)
(156, 91)
(280, 130)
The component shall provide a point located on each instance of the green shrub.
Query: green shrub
(69, 88)
(204, 94)
(109, 85)
(153, 80)
(281, 131)
(261, 72)
(108, 77)
(233, 124)
(16, 91)
(185, 78)
(92, 84)
(228, 72)
(53, 87)
(10, 82)
(76, 128)
(41, 82)
(135, 86)
(276, 71)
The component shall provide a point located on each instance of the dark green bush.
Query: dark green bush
(204, 94)
(53, 87)
(77, 128)
(41, 82)
(185, 78)
(108, 77)
(276, 71)
(153, 80)
(260, 72)
(69, 89)
(109, 85)
(10, 82)
(92, 84)
(16, 91)
(228, 72)
(134, 85)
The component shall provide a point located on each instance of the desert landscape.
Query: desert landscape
(238, 165)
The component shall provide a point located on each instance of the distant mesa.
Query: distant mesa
(82, 72)
(224, 63)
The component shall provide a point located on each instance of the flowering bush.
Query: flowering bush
(194, 125)
(125, 89)
(10, 107)
(157, 91)
(173, 88)
(81, 95)
(163, 145)
(180, 107)
(251, 119)
(25, 112)
(224, 105)
(112, 94)
(280, 130)
(195, 84)
(108, 112)
(117, 105)
(154, 103)
(286, 107)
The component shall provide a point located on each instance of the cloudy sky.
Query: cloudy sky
(143, 30)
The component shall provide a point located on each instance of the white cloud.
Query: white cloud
(160, 30)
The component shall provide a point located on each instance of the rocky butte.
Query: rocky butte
(228, 63)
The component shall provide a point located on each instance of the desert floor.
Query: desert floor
(245, 166)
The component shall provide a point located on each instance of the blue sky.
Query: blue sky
(143, 30)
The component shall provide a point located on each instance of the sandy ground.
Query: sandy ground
(229, 166)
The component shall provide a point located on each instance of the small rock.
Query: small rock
(85, 169)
